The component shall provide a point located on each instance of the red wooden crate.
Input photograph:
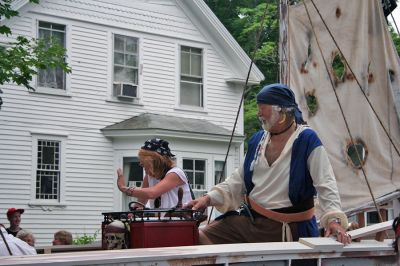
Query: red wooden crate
(151, 228)
(163, 234)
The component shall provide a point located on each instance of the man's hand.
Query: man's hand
(199, 204)
(335, 229)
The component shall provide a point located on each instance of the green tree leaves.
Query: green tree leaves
(243, 21)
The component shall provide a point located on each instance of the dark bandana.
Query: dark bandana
(158, 145)
(280, 95)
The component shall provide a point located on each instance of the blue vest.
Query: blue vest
(300, 181)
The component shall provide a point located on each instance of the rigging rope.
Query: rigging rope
(395, 24)
(252, 58)
(355, 77)
(337, 98)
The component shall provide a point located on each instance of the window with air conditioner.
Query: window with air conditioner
(125, 67)
(191, 77)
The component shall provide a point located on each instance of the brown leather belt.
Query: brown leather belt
(278, 216)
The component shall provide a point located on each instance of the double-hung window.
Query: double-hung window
(126, 61)
(48, 170)
(191, 77)
(196, 173)
(53, 77)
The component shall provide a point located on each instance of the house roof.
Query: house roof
(148, 123)
(220, 38)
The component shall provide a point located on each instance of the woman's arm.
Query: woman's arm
(124, 189)
(145, 184)
(169, 182)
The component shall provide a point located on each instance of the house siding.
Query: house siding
(89, 157)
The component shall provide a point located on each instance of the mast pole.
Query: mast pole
(283, 42)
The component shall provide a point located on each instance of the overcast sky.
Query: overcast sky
(396, 15)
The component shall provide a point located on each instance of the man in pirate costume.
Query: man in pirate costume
(285, 167)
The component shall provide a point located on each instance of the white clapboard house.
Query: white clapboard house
(140, 69)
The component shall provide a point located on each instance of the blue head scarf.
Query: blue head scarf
(158, 145)
(280, 95)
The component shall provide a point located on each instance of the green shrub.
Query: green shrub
(85, 239)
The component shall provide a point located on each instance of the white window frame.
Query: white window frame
(47, 90)
(113, 97)
(178, 105)
(224, 176)
(61, 193)
(194, 185)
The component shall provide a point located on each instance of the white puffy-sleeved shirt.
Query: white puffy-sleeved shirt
(17, 246)
(271, 182)
(170, 198)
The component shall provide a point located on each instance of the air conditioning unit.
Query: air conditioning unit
(125, 90)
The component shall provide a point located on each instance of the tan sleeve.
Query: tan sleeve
(325, 183)
(228, 195)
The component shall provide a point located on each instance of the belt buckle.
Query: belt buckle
(245, 208)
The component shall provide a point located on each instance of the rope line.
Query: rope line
(355, 77)
(252, 58)
(340, 106)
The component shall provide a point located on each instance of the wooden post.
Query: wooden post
(396, 207)
(361, 219)
(283, 42)
(380, 236)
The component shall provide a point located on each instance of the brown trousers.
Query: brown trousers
(240, 229)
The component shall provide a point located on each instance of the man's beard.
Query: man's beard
(267, 124)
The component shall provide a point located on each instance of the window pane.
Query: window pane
(60, 78)
(190, 177)
(123, 74)
(219, 173)
(185, 49)
(185, 63)
(59, 36)
(44, 34)
(372, 218)
(44, 24)
(200, 165)
(188, 164)
(130, 60)
(131, 45)
(58, 27)
(118, 73)
(195, 50)
(119, 43)
(48, 155)
(135, 172)
(191, 94)
(196, 65)
(52, 78)
(118, 58)
(199, 180)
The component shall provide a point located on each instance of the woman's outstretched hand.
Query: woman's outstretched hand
(121, 181)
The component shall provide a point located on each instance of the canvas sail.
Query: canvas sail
(360, 31)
